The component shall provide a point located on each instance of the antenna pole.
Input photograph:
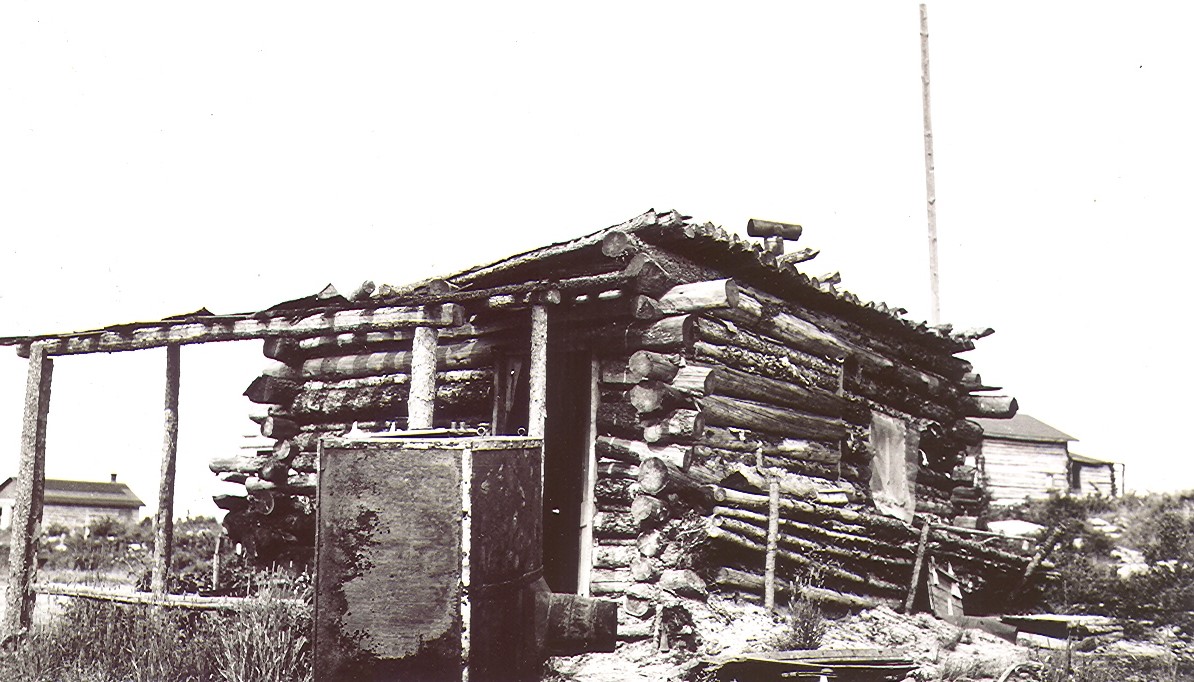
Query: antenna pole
(930, 182)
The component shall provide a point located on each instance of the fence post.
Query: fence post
(163, 522)
(30, 494)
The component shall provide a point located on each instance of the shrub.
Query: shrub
(807, 625)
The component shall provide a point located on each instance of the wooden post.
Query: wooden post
(30, 485)
(930, 169)
(421, 404)
(215, 564)
(772, 544)
(164, 520)
(537, 414)
(917, 563)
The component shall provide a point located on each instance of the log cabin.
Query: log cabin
(714, 420)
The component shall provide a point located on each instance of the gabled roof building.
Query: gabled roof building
(75, 504)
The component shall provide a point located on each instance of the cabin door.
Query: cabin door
(568, 443)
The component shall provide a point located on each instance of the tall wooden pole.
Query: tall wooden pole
(163, 523)
(537, 414)
(421, 405)
(30, 489)
(930, 168)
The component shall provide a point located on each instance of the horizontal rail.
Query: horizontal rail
(173, 601)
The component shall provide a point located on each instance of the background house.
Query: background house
(1025, 458)
(75, 504)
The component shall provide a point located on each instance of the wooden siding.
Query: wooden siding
(1015, 470)
(1095, 480)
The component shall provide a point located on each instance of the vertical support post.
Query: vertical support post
(918, 562)
(588, 503)
(421, 404)
(537, 414)
(772, 544)
(30, 489)
(930, 169)
(163, 523)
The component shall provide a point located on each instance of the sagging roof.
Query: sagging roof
(1022, 427)
(733, 254)
(114, 495)
(1087, 459)
(329, 312)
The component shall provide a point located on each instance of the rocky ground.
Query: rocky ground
(943, 651)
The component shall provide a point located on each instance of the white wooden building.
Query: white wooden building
(1023, 458)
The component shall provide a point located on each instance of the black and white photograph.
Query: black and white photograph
(558, 342)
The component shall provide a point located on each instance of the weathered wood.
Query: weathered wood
(925, 531)
(271, 390)
(614, 556)
(669, 333)
(645, 364)
(754, 538)
(699, 297)
(421, 400)
(588, 308)
(796, 257)
(635, 452)
(772, 545)
(733, 412)
(456, 394)
(735, 384)
(193, 602)
(768, 228)
(802, 487)
(693, 380)
(791, 448)
(653, 396)
(611, 524)
(620, 419)
(163, 523)
(683, 425)
(763, 364)
(990, 406)
(647, 510)
(463, 355)
(243, 327)
(29, 491)
(279, 428)
(537, 411)
(754, 583)
(243, 462)
(657, 477)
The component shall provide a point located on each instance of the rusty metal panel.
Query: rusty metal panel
(506, 558)
(388, 571)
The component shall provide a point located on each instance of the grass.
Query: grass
(94, 641)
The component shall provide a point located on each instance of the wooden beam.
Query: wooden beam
(925, 531)
(163, 522)
(772, 544)
(30, 487)
(238, 328)
(421, 400)
(537, 413)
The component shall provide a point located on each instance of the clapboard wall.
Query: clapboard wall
(1014, 470)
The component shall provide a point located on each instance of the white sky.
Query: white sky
(154, 160)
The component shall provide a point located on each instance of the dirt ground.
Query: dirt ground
(943, 651)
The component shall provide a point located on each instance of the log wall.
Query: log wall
(733, 431)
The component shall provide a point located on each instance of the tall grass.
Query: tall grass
(92, 641)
